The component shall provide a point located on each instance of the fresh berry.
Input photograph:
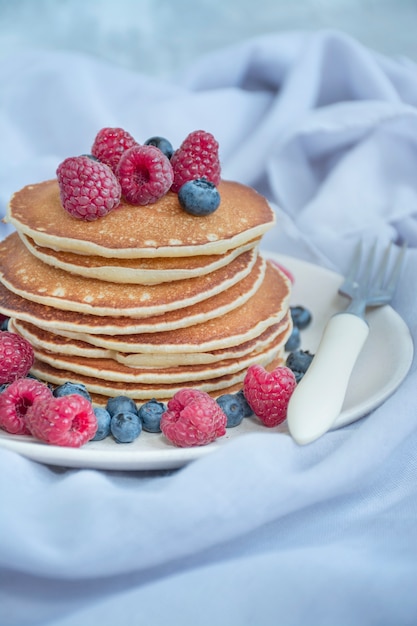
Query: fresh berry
(247, 411)
(125, 427)
(68, 388)
(88, 189)
(268, 393)
(193, 418)
(197, 157)
(199, 197)
(4, 322)
(150, 413)
(299, 362)
(66, 421)
(301, 316)
(120, 404)
(15, 401)
(110, 144)
(16, 357)
(232, 407)
(163, 144)
(145, 174)
(294, 340)
(103, 423)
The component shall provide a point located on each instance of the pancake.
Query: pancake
(57, 320)
(28, 277)
(135, 271)
(54, 343)
(158, 230)
(140, 391)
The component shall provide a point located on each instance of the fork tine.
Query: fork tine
(382, 270)
(393, 279)
(355, 265)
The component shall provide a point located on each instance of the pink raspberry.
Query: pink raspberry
(16, 357)
(88, 189)
(110, 144)
(145, 174)
(16, 400)
(193, 418)
(66, 421)
(197, 157)
(268, 393)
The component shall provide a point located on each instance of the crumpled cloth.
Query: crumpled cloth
(261, 532)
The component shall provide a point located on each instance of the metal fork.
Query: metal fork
(318, 398)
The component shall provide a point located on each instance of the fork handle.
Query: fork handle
(318, 398)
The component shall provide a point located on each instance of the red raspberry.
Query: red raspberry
(193, 418)
(65, 421)
(145, 174)
(268, 393)
(16, 357)
(197, 157)
(110, 144)
(16, 400)
(88, 189)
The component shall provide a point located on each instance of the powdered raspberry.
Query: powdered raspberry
(16, 357)
(88, 189)
(110, 144)
(197, 157)
(145, 174)
(16, 400)
(193, 418)
(66, 421)
(268, 393)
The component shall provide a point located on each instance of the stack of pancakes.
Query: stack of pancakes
(148, 299)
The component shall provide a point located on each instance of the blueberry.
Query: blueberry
(294, 340)
(199, 197)
(3, 387)
(232, 407)
(299, 362)
(4, 323)
(247, 411)
(163, 144)
(150, 413)
(68, 388)
(121, 404)
(91, 156)
(103, 424)
(125, 427)
(301, 317)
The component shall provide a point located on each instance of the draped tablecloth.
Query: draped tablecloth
(263, 531)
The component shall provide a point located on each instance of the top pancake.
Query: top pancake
(162, 229)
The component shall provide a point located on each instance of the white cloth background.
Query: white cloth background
(262, 532)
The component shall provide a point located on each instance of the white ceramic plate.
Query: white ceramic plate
(381, 367)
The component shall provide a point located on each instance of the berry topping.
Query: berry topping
(150, 413)
(197, 157)
(163, 144)
(4, 322)
(120, 404)
(103, 423)
(110, 144)
(232, 406)
(199, 197)
(193, 418)
(299, 362)
(15, 401)
(145, 174)
(68, 388)
(125, 427)
(66, 421)
(88, 189)
(294, 340)
(268, 393)
(16, 357)
(301, 317)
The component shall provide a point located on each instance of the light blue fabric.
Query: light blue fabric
(262, 532)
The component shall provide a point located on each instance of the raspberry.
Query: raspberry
(89, 189)
(65, 421)
(268, 393)
(197, 157)
(145, 174)
(110, 144)
(193, 418)
(16, 400)
(16, 357)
